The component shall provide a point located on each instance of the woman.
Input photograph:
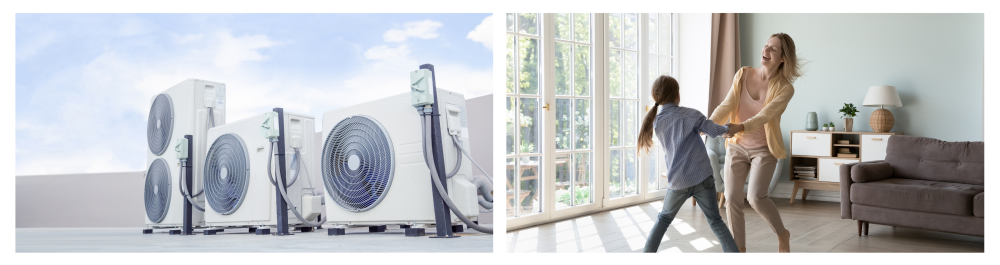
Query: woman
(754, 104)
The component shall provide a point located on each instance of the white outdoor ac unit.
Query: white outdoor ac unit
(238, 191)
(373, 165)
(181, 110)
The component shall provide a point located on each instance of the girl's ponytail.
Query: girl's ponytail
(665, 90)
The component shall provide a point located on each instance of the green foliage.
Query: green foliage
(849, 111)
(581, 195)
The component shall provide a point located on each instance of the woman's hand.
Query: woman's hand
(733, 129)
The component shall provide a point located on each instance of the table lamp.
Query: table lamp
(879, 96)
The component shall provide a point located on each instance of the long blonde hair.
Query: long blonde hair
(791, 68)
(665, 90)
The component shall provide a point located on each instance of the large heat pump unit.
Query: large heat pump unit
(238, 190)
(188, 108)
(373, 168)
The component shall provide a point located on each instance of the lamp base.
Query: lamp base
(882, 120)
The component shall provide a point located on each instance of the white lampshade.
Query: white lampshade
(882, 95)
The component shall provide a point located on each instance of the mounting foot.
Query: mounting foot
(208, 232)
(404, 226)
(335, 231)
(412, 232)
(376, 229)
(457, 228)
(147, 231)
(263, 231)
(252, 230)
(175, 232)
(306, 229)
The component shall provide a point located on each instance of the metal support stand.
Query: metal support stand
(252, 230)
(376, 229)
(187, 229)
(442, 214)
(282, 207)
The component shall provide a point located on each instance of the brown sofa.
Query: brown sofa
(922, 183)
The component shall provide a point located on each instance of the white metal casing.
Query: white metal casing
(259, 208)
(191, 99)
(408, 200)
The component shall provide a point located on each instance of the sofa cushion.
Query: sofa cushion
(917, 195)
(932, 159)
(977, 205)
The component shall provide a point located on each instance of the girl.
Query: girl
(689, 172)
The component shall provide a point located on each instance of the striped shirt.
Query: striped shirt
(677, 130)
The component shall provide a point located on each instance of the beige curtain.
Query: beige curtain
(725, 57)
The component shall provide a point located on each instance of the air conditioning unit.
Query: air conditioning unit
(184, 109)
(373, 166)
(238, 190)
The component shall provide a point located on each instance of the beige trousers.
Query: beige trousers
(758, 165)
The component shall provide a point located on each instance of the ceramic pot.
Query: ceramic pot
(811, 124)
(848, 124)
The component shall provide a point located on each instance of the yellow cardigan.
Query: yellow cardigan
(779, 92)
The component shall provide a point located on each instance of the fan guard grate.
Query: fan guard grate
(157, 192)
(160, 124)
(358, 163)
(227, 171)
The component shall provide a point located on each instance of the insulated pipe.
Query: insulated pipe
(284, 196)
(184, 191)
(440, 187)
(487, 200)
(459, 145)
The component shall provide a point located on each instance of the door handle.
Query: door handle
(810, 137)
(876, 139)
(546, 107)
(837, 164)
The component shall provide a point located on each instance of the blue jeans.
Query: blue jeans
(704, 193)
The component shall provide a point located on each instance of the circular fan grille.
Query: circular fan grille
(160, 124)
(358, 163)
(227, 174)
(157, 194)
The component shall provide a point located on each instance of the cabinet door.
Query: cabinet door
(873, 146)
(829, 169)
(811, 144)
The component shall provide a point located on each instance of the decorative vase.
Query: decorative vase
(826, 128)
(848, 124)
(811, 124)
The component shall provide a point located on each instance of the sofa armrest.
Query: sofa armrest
(713, 159)
(978, 204)
(845, 190)
(870, 171)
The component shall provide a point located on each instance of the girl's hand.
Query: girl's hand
(733, 129)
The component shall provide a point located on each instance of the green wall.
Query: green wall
(934, 60)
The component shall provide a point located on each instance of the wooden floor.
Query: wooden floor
(815, 226)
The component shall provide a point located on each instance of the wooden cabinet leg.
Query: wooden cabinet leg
(795, 190)
(859, 227)
(805, 193)
(866, 228)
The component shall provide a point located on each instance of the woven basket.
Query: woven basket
(882, 120)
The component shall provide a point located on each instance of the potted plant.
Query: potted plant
(826, 127)
(848, 113)
(833, 128)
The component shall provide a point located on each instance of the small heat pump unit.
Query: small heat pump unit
(373, 165)
(188, 108)
(239, 191)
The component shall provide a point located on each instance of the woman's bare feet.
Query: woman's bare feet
(783, 244)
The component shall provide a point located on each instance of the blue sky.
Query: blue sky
(84, 81)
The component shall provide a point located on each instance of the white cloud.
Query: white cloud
(483, 33)
(425, 29)
(35, 43)
(383, 52)
(132, 27)
(232, 51)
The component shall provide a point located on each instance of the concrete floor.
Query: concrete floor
(238, 240)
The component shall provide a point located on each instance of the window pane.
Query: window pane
(562, 26)
(528, 56)
(631, 184)
(529, 125)
(582, 124)
(614, 73)
(653, 73)
(616, 177)
(616, 123)
(511, 179)
(664, 65)
(510, 65)
(631, 74)
(615, 28)
(630, 23)
(510, 22)
(581, 179)
(527, 23)
(581, 70)
(630, 122)
(652, 32)
(563, 54)
(581, 27)
(511, 119)
(564, 117)
(564, 196)
(665, 28)
(530, 185)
